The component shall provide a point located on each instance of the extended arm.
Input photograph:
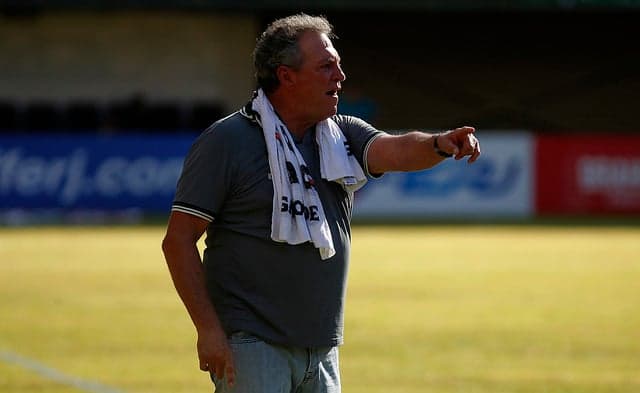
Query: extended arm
(183, 259)
(415, 150)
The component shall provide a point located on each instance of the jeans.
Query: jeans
(266, 368)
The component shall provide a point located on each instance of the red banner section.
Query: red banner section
(588, 174)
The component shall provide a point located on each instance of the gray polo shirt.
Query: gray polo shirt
(282, 293)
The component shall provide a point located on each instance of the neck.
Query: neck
(294, 119)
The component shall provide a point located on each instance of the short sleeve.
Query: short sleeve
(359, 135)
(205, 179)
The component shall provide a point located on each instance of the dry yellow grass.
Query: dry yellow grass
(430, 309)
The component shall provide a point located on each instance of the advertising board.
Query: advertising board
(499, 184)
(518, 175)
(90, 171)
(588, 174)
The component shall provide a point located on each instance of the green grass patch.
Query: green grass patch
(430, 309)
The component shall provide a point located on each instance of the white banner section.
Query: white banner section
(499, 184)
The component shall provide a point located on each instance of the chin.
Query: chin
(329, 114)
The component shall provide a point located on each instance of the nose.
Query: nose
(340, 76)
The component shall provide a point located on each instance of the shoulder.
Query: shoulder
(347, 121)
(356, 130)
(233, 127)
(230, 131)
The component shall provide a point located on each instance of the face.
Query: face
(317, 82)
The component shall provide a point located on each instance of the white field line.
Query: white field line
(55, 375)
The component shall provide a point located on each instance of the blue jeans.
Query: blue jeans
(266, 368)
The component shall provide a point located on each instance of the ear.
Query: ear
(286, 75)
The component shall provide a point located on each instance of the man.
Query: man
(272, 185)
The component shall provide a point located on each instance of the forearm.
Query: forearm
(401, 153)
(185, 267)
(416, 151)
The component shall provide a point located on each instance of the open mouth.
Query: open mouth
(332, 93)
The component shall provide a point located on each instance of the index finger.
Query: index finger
(466, 129)
(475, 155)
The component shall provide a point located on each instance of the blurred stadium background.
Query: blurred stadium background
(100, 100)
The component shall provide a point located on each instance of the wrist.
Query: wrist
(437, 149)
(209, 328)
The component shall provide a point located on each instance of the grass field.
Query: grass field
(430, 309)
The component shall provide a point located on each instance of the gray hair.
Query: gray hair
(278, 45)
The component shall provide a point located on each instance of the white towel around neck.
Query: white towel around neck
(298, 215)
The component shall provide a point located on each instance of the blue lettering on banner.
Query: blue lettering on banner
(485, 179)
(91, 171)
